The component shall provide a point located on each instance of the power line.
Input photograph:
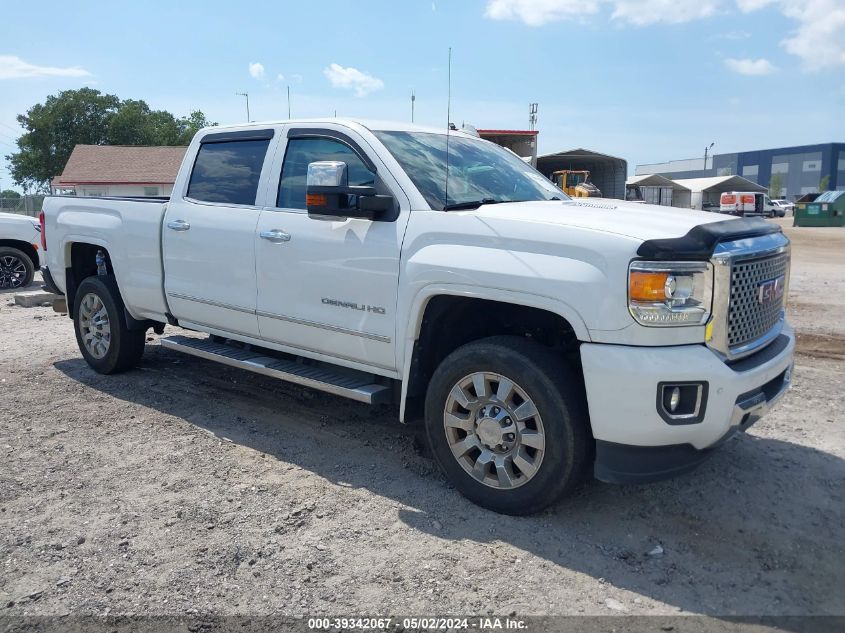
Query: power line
(9, 127)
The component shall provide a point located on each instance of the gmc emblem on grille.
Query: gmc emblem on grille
(771, 290)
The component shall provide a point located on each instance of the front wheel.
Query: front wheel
(507, 422)
(105, 341)
(16, 268)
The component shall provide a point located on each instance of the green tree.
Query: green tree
(54, 128)
(776, 185)
(10, 193)
(86, 116)
(824, 183)
(191, 124)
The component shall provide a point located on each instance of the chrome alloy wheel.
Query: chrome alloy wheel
(94, 325)
(494, 430)
(12, 272)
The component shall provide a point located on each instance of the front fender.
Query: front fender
(426, 293)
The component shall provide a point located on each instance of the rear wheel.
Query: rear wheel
(105, 341)
(506, 421)
(16, 268)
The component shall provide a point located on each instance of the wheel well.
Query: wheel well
(26, 247)
(83, 264)
(450, 322)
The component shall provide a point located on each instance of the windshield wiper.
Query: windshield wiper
(472, 204)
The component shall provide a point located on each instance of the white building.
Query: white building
(660, 190)
(704, 193)
(119, 170)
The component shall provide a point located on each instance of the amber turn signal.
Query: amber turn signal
(647, 286)
(316, 200)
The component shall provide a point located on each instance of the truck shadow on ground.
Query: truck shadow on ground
(755, 530)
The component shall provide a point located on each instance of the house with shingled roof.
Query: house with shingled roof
(119, 170)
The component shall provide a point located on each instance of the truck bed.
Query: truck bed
(129, 227)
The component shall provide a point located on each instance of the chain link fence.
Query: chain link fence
(25, 205)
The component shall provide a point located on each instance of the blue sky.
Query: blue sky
(648, 80)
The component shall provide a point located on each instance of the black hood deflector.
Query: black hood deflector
(699, 243)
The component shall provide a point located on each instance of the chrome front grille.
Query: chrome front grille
(748, 318)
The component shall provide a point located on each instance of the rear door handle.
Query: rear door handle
(178, 225)
(275, 235)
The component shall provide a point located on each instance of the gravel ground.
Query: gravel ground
(188, 487)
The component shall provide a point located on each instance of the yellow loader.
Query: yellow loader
(576, 183)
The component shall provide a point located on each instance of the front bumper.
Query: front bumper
(634, 443)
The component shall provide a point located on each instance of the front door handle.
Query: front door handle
(178, 225)
(275, 235)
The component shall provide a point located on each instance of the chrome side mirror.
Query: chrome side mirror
(328, 194)
(327, 173)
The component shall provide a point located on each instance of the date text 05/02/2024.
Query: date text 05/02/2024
(417, 623)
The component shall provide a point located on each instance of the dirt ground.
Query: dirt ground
(187, 487)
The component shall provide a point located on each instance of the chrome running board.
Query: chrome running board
(360, 388)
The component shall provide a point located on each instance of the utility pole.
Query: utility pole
(246, 95)
(413, 98)
(288, 101)
(707, 149)
(532, 115)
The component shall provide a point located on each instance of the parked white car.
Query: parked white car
(20, 250)
(783, 207)
(538, 338)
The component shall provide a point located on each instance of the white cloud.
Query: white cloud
(750, 66)
(539, 12)
(13, 67)
(352, 79)
(256, 70)
(637, 12)
(746, 6)
(642, 12)
(817, 40)
(280, 77)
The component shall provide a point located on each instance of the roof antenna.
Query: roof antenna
(448, 125)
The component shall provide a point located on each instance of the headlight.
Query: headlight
(670, 293)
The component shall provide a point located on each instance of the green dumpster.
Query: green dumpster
(826, 210)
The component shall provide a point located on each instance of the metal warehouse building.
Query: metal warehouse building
(608, 173)
(802, 169)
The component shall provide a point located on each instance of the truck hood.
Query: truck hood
(14, 218)
(631, 219)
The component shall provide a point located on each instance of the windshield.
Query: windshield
(478, 170)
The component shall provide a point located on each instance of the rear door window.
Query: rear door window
(228, 172)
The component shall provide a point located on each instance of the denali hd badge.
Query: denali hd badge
(771, 290)
(353, 306)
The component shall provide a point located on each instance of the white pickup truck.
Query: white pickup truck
(539, 339)
(20, 250)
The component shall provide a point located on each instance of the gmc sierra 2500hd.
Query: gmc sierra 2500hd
(539, 338)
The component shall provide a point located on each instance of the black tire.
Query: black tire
(11, 259)
(125, 346)
(559, 398)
